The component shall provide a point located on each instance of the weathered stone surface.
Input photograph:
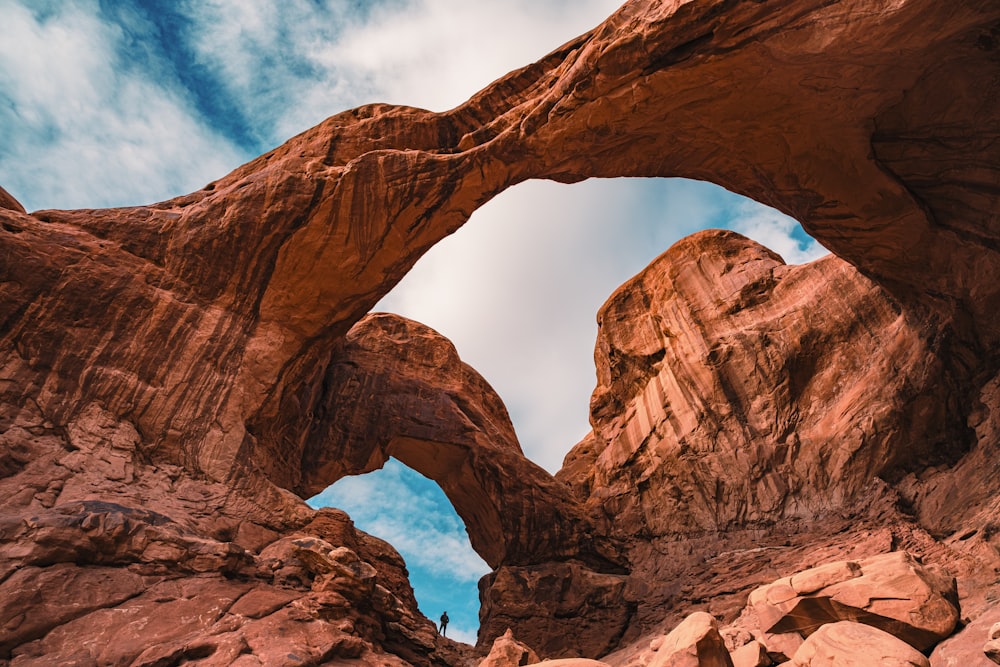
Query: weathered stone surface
(572, 662)
(893, 592)
(848, 644)
(751, 654)
(735, 389)
(211, 574)
(7, 201)
(441, 418)
(992, 647)
(274, 262)
(508, 652)
(558, 608)
(167, 360)
(696, 642)
(969, 643)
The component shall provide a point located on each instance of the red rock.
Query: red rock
(508, 652)
(848, 644)
(751, 654)
(442, 419)
(893, 592)
(7, 201)
(38, 599)
(992, 650)
(696, 642)
(556, 608)
(739, 389)
(966, 647)
(571, 662)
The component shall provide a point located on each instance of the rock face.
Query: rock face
(734, 389)
(438, 416)
(173, 374)
(90, 574)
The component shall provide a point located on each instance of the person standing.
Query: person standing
(444, 623)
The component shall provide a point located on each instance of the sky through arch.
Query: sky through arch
(517, 289)
(413, 514)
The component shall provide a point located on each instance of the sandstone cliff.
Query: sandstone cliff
(174, 373)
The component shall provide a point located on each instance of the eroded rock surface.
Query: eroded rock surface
(394, 387)
(508, 652)
(91, 573)
(734, 389)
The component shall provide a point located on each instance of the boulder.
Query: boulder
(508, 652)
(696, 642)
(973, 639)
(894, 592)
(751, 654)
(992, 646)
(849, 644)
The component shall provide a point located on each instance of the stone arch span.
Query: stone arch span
(394, 387)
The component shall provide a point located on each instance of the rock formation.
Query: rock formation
(508, 652)
(695, 642)
(736, 390)
(893, 592)
(847, 644)
(173, 374)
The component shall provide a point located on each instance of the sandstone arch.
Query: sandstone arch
(209, 321)
(280, 257)
(394, 387)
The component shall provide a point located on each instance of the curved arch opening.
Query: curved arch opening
(518, 287)
(412, 513)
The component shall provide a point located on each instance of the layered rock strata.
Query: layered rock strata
(735, 390)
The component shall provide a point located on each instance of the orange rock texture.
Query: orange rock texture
(174, 374)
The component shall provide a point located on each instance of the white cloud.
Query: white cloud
(293, 67)
(84, 129)
(775, 231)
(462, 634)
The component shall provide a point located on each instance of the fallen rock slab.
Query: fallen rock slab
(894, 592)
(849, 644)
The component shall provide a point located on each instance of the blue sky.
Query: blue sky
(106, 103)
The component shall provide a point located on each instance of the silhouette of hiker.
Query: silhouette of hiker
(444, 624)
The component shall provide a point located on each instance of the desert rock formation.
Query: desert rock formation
(174, 374)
